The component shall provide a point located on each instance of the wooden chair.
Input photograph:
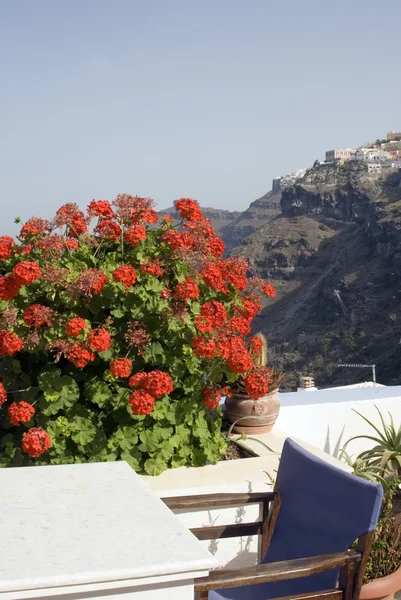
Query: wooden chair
(308, 525)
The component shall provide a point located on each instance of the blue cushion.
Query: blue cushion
(323, 510)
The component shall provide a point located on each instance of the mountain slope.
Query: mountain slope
(334, 255)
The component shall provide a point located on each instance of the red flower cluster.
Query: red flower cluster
(234, 271)
(6, 247)
(152, 268)
(126, 274)
(188, 209)
(240, 325)
(256, 385)
(156, 383)
(149, 216)
(99, 339)
(214, 312)
(136, 380)
(249, 308)
(38, 315)
(268, 290)
(255, 345)
(135, 234)
(72, 244)
(211, 396)
(206, 348)
(9, 287)
(121, 367)
(80, 356)
(179, 240)
(70, 215)
(9, 343)
(20, 412)
(3, 394)
(213, 276)
(187, 289)
(36, 442)
(34, 226)
(90, 281)
(106, 228)
(27, 272)
(100, 208)
(239, 360)
(141, 402)
(75, 326)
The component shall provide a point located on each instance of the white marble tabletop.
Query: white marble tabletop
(81, 524)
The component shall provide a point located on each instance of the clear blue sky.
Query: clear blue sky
(170, 98)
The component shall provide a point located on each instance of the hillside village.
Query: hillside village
(381, 156)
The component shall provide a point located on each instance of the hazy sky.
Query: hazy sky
(168, 98)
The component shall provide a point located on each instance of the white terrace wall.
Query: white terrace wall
(327, 418)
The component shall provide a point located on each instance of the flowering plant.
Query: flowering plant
(119, 334)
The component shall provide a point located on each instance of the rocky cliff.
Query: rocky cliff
(334, 254)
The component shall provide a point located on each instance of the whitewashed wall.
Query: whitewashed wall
(327, 418)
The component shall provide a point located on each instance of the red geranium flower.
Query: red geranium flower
(187, 289)
(34, 226)
(216, 247)
(135, 234)
(20, 412)
(215, 312)
(152, 268)
(203, 347)
(141, 402)
(100, 208)
(126, 274)
(9, 287)
(149, 216)
(212, 396)
(99, 339)
(256, 385)
(75, 326)
(72, 244)
(6, 247)
(179, 240)
(157, 383)
(255, 345)
(3, 394)
(80, 356)
(188, 209)
(268, 290)
(37, 315)
(36, 441)
(240, 325)
(106, 228)
(214, 278)
(121, 367)
(27, 272)
(9, 343)
(136, 380)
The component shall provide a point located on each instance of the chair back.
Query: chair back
(323, 509)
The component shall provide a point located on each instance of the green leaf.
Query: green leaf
(155, 466)
(84, 430)
(125, 438)
(98, 392)
(133, 458)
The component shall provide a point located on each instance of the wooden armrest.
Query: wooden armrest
(279, 571)
(217, 500)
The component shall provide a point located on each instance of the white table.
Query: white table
(90, 531)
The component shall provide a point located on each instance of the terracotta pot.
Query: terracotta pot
(266, 410)
(383, 588)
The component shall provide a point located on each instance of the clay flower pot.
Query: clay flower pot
(383, 588)
(265, 410)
